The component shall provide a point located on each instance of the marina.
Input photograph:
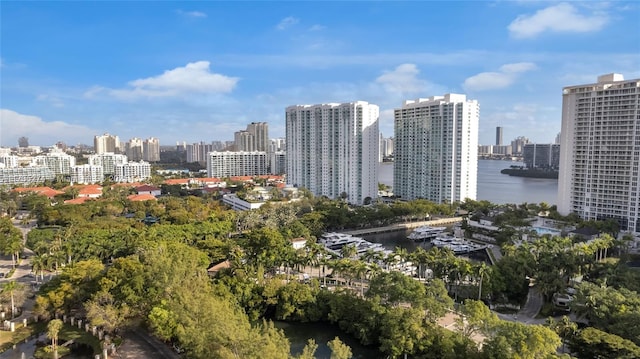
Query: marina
(426, 233)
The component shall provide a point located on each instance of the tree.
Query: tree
(476, 318)
(565, 328)
(53, 328)
(339, 350)
(520, 340)
(11, 288)
(593, 343)
(309, 350)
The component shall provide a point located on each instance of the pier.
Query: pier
(403, 226)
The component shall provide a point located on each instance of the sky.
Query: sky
(200, 70)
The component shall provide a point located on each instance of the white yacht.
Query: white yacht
(426, 233)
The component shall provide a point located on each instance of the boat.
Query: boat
(426, 233)
(457, 245)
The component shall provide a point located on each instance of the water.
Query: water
(497, 188)
(299, 333)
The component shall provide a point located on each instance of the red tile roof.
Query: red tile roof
(46, 191)
(141, 197)
(90, 190)
(177, 181)
(79, 200)
(147, 188)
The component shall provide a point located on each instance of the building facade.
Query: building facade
(541, 155)
(600, 151)
(228, 164)
(87, 174)
(151, 150)
(134, 150)
(25, 175)
(333, 149)
(108, 161)
(132, 172)
(436, 149)
(59, 163)
(106, 143)
(498, 136)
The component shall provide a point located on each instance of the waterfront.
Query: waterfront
(496, 187)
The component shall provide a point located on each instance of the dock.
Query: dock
(403, 226)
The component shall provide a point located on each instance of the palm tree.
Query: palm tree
(53, 328)
(38, 264)
(11, 287)
(348, 251)
(482, 270)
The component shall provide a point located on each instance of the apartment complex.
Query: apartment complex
(332, 149)
(254, 138)
(106, 143)
(228, 164)
(600, 151)
(151, 150)
(436, 149)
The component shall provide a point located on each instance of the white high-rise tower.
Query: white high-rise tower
(332, 149)
(436, 149)
(600, 151)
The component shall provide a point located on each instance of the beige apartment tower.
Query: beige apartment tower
(600, 151)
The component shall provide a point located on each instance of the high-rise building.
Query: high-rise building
(106, 143)
(600, 151)
(517, 145)
(151, 150)
(386, 147)
(254, 138)
(541, 155)
(498, 136)
(134, 150)
(197, 152)
(260, 132)
(436, 149)
(332, 149)
(23, 142)
(277, 162)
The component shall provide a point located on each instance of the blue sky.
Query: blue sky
(198, 71)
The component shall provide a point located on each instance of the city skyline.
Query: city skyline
(200, 71)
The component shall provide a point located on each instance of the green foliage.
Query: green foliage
(339, 350)
(594, 343)
(521, 341)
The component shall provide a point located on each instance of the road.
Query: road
(138, 344)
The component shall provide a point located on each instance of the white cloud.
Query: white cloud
(287, 22)
(195, 77)
(562, 17)
(14, 125)
(317, 28)
(53, 100)
(194, 14)
(497, 80)
(403, 78)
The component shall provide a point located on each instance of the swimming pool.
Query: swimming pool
(543, 230)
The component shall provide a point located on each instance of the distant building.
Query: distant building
(227, 163)
(25, 175)
(277, 163)
(106, 143)
(436, 149)
(504, 150)
(197, 152)
(254, 138)
(108, 161)
(23, 142)
(277, 145)
(133, 149)
(517, 145)
(8, 161)
(87, 174)
(600, 151)
(333, 149)
(485, 150)
(132, 172)
(151, 150)
(498, 136)
(59, 163)
(386, 147)
(539, 155)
